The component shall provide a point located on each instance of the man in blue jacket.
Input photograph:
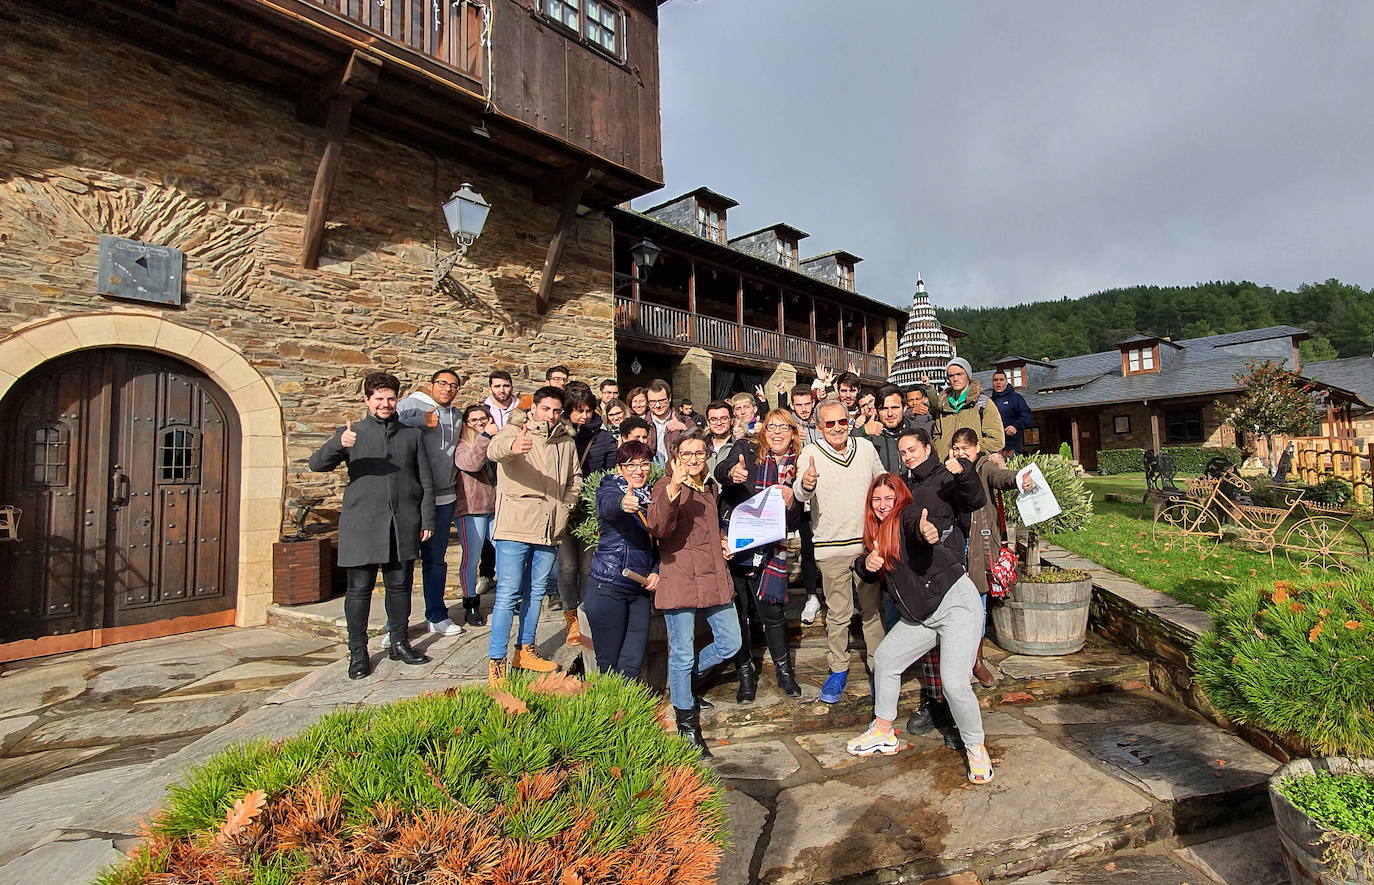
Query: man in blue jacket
(1016, 414)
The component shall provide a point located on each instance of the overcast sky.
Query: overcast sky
(1021, 151)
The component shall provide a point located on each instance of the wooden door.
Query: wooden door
(125, 468)
(1089, 439)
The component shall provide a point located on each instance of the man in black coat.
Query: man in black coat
(388, 510)
(1016, 412)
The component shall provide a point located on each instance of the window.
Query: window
(1016, 376)
(177, 455)
(600, 24)
(1184, 425)
(710, 223)
(846, 274)
(49, 455)
(1141, 359)
(785, 252)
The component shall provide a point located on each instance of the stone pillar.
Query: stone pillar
(785, 376)
(692, 378)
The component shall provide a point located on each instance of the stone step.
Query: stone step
(1076, 781)
(1022, 679)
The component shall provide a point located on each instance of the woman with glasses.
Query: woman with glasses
(904, 548)
(476, 503)
(624, 567)
(685, 519)
(615, 412)
(760, 575)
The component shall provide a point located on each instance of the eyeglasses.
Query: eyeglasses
(838, 422)
(447, 385)
(657, 402)
(777, 428)
(692, 456)
(636, 465)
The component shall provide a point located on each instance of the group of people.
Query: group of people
(892, 493)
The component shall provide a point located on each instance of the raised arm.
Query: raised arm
(331, 454)
(472, 457)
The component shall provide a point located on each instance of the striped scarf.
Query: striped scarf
(773, 578)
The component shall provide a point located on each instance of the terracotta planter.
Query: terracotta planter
(1300, 837)
(1044, 618)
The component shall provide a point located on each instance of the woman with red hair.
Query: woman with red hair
(936, 602)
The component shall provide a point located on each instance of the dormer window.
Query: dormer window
(785, 251)
(1139, 360)
(1016, 376)
(845, 272)
(710, 222)
(599, 24)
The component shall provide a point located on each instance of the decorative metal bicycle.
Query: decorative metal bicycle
(1323, 537)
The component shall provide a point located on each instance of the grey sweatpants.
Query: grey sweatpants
(956, 625)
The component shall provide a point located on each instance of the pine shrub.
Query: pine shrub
(585, 527)
(547, 779)
(1297, 661)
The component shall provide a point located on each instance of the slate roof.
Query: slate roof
(1197, 367)
(1354, 373)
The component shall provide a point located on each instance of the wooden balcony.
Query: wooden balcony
(443, 31)
(643, 321)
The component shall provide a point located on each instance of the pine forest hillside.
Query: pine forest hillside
(1339, 316)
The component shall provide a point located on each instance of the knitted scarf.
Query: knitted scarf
(957, 403)
(773, 576)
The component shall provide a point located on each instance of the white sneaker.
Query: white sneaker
(810, 610)
(386, 640)
(446, 627)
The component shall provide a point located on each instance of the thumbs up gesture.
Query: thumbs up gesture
(630, 503)
(432, 417)
(739, 474)
(928, 529)
(348, 437)
(874, 562)
(810, 476)
(523, 441)
(953, 466)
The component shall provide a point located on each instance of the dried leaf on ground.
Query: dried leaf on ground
(1316, 631)
(509, 702)
(558, 683)
(241, 815)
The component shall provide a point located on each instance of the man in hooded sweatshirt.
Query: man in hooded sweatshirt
(963, 404)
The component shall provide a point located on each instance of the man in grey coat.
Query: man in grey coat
(388, 510)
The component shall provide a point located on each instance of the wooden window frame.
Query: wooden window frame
(710, 222)
(1016, 377)
(620, 54)
(785, 252)
(845, 272)
(1184, 414)
(1141, 354)
(1121, 423)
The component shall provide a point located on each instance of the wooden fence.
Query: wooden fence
(1321, 457)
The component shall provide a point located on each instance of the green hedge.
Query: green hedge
(1188, 460)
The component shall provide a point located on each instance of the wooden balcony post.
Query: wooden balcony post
(782, 326)
(692, 300)
(811, 320)
(1073, 432)
(634, 281)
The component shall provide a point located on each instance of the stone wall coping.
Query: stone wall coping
(1188, 619)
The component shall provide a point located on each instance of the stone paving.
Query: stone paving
(1081, 773)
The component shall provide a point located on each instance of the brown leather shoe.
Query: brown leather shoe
(496, 670)
(574, 631)
(983, 673)
(527, 657)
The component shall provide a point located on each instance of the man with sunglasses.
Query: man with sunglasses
(439, 422)
(833, 478)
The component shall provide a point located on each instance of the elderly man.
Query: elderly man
(834, 478)
(388, 511)
(538, 479)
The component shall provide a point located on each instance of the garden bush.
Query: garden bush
(1331, 490)
(1074, 497)
(545, 780)
(585, 527)
(1296, 660)
(1188, 460)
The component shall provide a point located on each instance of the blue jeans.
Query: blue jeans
(433, 567)
(474, 531)
(522, 577)
(682, 627)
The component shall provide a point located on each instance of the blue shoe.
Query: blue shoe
(834, 687)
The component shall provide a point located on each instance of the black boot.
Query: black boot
(401, 651)
(702, 683)
(472, 612)
(787, 680)
(689, 726)
(359, 664)
(748, 678)
(920, 721)
(943, 720)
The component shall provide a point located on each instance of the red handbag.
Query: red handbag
(1002, 568)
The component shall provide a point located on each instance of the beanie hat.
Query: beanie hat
(961, 363)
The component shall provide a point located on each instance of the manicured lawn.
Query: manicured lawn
(1122, 541)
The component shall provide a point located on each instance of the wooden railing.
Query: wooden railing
(449, 32)
(655, 322)
(1322, 457)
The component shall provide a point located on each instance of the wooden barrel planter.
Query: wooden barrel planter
(1302, 839)
(1044, 618)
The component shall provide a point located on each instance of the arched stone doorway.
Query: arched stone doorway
(233, 392)
(125, 465)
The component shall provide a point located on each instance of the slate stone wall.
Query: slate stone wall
(103, 137)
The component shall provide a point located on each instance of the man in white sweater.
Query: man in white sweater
(835, 475)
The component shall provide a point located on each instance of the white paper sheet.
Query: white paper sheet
(1036, 503)
(760, 520)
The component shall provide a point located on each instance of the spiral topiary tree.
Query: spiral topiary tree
(1074, 497)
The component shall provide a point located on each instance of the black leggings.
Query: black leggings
(750, 608)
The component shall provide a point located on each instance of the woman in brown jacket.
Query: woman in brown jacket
(476, 502)
(693, 576)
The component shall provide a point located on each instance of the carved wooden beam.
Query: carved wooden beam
(338, 97)
(570, 186)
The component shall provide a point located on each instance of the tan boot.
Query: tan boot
(574, 631)
(527, 658)
(496, 670)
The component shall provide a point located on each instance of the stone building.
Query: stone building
(717, 314)
(293, 156)
(926, 346)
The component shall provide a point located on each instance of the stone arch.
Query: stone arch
(262, 470)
